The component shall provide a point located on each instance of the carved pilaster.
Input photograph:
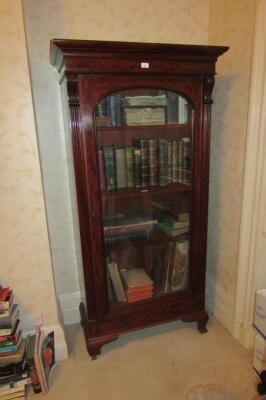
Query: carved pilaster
(208, 85)
(72, 90)
(73, 101)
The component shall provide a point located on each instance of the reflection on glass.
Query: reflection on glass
(145, 162)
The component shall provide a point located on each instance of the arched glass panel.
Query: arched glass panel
(144, 141)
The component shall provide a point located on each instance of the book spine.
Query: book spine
(144, 154)
(169, 162)
(101, 170)
(109, 163)
(137, 167)
(180, 157)
(113, 109)
(162, 162)
(126, 237)
(172, 108)
(153, 162)
(121, 172)
(130, 166)
(174, 161)
(186, 160)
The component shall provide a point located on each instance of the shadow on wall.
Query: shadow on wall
(223, 228)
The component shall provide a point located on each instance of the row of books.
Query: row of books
(148, 162)
(167, 107)
(13, 370)
(169, 273)
(23, 361)
(128, 285)
(121, 227)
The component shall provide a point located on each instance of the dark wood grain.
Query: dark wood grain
(92, 70)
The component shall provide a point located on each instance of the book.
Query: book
(14, 387)
(48, 355)
(153, 161)
(179, 274)
(136, 278)
(121, 168)
(110, 170)
(144, 161)
(13, 336)
(14, 357)
(172, 107)
(144, 115)
(174, 161)
(162, 162)
(171, 226)
(182, 110)
(102, 121)
(130, 166)
(112, 223)
(8, 320)
(101, 170)
(31, 363)
(127, 237)
(144, 101)
(169, 162)
(7, 299)
(4, 293)
(42, 360)
(6, 349)
(137, 167)
(116, 281)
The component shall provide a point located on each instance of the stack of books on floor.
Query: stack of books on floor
(13, 364)
(129, 285)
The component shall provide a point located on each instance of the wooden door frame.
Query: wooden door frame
(253, 223)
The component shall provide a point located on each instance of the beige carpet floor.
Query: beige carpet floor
(171, 361)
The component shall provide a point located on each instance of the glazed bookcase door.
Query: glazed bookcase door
(144, 142)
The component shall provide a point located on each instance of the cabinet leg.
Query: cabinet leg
(201, 323)
(95, 344)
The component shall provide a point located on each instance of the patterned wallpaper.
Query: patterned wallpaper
(231, 23)
(25, 263)
(185, 21)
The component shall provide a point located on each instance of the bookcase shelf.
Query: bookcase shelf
(159, 129)
(154, 239)
(145, 191)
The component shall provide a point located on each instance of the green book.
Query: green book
(121, 168)
(162, 162)
(110, 169)
(137, 167)
(144, 155)
(130, 166)
(153, 162)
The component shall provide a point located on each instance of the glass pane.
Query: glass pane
(145, 158)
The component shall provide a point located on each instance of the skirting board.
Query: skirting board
(69, 304)
(217, 303)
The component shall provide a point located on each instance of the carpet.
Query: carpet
(210, 392)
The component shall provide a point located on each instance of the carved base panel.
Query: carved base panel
(114, 328)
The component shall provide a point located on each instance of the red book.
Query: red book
(4, 292)
(132, 299)
(140, 290)
(6, 304)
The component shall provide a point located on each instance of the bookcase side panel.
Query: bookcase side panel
(71, 111)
